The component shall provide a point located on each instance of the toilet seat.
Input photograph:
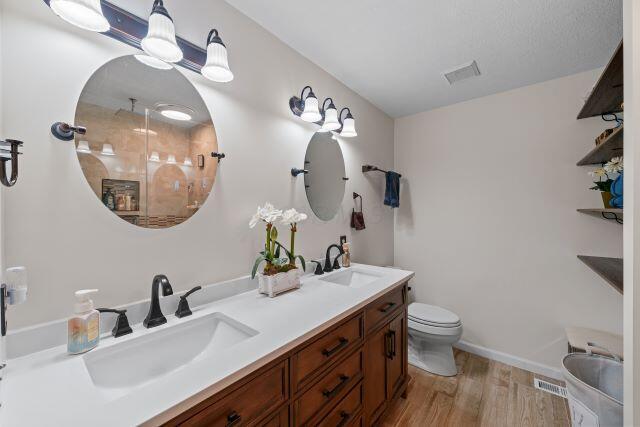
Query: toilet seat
(432, 315)
(431, 319)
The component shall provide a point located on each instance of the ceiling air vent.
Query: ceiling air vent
(462, 72)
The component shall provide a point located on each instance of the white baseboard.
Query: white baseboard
(528, 365)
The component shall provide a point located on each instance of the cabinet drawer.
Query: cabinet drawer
(329, 389)
(383, 308)
(265, 393)
(325, 350)
(347, 411)
(281, 419)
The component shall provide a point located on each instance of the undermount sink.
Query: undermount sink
(148, 357)
(353, 277)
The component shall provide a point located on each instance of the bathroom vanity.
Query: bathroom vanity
(331, 353)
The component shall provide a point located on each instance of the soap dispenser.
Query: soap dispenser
(84, 326)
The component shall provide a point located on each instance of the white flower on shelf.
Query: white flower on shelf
(267, 213)
(292, 216)
(598, 173)
(615, 165)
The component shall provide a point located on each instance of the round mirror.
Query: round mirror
(147, 150)
(325, 180)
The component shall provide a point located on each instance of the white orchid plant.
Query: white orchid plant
(613, 166)
(271, 253)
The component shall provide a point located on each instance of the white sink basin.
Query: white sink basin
(158, 353)
(353, 277)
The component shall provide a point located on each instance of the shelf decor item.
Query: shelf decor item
(280, 274)
(605, 182)
(616, 165)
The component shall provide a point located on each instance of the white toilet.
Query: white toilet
(432, 333)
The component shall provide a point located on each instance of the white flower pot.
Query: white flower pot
(279, 283)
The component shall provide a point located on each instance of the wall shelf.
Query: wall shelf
(610, 269)
(608, 93)
(609, 148)
(613, 214)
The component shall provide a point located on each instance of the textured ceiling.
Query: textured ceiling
(394, 52)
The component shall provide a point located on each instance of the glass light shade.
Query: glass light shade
(154, 157)
(330, 120)
(187, 162)
(176, 115)
(160, 41)
(153, 62)
(349, 128)
(175, 112)
(86, 14)
(83, 147)
(107, 150)
(217, 66)
(311, 112)
(171, 159)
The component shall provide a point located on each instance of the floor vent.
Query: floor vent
(550, 388)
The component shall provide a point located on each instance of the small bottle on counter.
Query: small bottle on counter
(84, 326)
(346, 257)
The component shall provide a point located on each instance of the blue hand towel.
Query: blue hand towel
(392, 192)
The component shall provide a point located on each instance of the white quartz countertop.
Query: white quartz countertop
(53, 388)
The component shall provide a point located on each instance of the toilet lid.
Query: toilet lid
(431, 314)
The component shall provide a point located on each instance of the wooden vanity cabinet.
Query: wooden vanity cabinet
(345, 375)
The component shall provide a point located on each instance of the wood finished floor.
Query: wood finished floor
(484, 393)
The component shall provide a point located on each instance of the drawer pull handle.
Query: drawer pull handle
(388, 306)
(388, 344)
(343, 342)
(345, 418)
(393, 344)
(329, 394)
(233, 419)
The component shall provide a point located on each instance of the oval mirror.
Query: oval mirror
(324, 181)
(147, 151)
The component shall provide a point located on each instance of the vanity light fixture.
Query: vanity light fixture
(330, 115)
(175, 112)
(86, 14)
(306, 107)
(153, 62)
(187, 162)
(107, 150)
(171, 159)
(217, 66)
(348, 124)
(154, 157)
(83, 147)
(160, 41)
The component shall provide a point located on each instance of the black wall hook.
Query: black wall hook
(218, 156)
(9, 151)
(66, 132)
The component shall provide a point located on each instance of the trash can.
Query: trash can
(594, 385)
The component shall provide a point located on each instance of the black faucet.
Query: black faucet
(327, 261)
(122, 323)
(183, 306)
(155, 316)
(319, 270)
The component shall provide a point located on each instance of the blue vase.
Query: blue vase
(617, 191)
